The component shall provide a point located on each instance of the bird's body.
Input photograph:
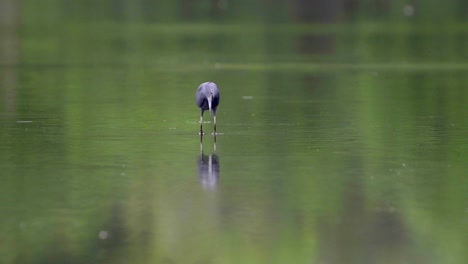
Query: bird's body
(207, 98)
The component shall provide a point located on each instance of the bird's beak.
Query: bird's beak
(210, 98)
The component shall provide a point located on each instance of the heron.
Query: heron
(207, 98)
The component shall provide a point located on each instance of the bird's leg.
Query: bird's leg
(214, 144)
(214, 119)
(201, 123)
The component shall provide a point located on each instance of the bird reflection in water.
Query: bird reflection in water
(208, 167)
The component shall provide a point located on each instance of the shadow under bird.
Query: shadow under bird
(207, 99)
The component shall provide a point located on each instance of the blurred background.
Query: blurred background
(342, 131)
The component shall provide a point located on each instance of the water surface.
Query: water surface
(337, 144)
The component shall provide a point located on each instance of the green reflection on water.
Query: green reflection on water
(340, 143)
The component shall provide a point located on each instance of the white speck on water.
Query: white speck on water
(408, 10)
(404, 165)
(247, 97)
(23, 121)
(103, 234)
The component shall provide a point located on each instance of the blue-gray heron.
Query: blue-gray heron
(207, 99)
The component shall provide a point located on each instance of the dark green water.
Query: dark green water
(339, 143)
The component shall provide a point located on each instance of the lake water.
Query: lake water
(337, 143)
